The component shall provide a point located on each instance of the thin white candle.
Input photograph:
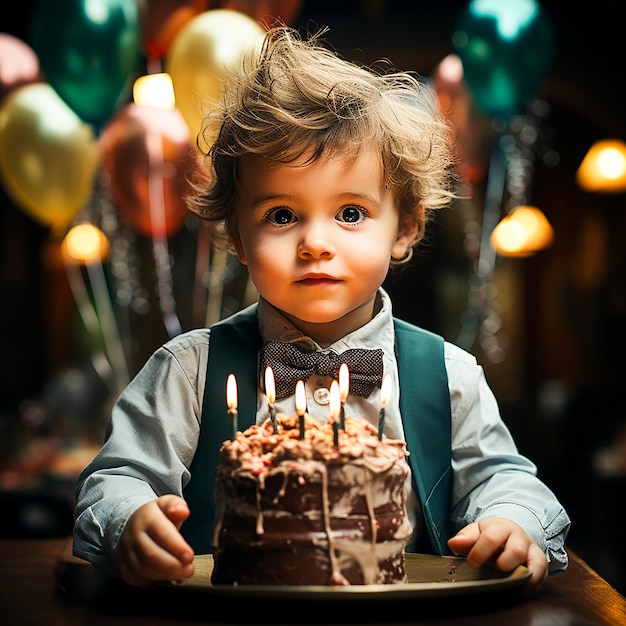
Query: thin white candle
(335, 409)
(344, 389)
(385, 396)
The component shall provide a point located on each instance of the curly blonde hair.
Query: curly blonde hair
(297, 98)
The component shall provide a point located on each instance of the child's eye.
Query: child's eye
(281, 216)
(351, 214)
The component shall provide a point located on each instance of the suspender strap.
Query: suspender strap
(426, 419)
(424, 406)
(234, 345)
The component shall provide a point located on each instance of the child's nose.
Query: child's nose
(316, 243)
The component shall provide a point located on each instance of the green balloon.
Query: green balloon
(506, 48)
(89, 52)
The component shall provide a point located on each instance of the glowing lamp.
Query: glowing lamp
(154, 90)
(603, 170)
(85, 243)
(523, 232)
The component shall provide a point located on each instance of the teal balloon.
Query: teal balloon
(507, 48)
(89, 52)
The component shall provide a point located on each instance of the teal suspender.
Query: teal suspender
(234, 345)
(426, 419)
(424, 406)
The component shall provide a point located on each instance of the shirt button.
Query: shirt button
(321, 396)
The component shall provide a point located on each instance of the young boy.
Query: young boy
(323, 174)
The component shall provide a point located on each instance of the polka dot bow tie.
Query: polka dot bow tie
(291, 364)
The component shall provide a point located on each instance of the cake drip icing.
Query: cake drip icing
(306, 511)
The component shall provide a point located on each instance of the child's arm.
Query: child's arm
(493, 481)
(152, 437)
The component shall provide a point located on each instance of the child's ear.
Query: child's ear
(408, 234)
(238, 247)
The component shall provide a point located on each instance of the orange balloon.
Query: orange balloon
(470, 127)
(148, 158)
(264, 10)
(162, 19)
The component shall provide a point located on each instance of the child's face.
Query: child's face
(318, 238)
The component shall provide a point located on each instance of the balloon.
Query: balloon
(284, 10)
(48, 155)
(506, 49)
(202, 54)
(471, 128)
(89, 52)
(19, 64)
(162, 19)
(149, 158)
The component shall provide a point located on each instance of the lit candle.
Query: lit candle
(231, 401)
(270, 392)
(344, 388)
(300, 405)
(385, 395)
(334, 405)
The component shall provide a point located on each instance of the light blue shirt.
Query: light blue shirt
(155, 423)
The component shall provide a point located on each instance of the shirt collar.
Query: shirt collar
(377, 333)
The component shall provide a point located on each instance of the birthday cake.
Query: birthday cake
(304, 503)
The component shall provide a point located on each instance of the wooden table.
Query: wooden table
(40, 584)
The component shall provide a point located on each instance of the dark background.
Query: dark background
(561, 383)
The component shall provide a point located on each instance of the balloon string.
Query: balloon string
(203, 254)
(88, 315)
(160, 250)
(485, 265)
(216, 287)
(110, 332)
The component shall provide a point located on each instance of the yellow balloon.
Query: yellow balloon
(48, 155)
(202, 54)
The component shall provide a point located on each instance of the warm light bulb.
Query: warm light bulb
(603, 169)
(154, 90)
(612, 163)
(85, 243)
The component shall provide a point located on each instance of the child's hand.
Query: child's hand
(502, 541)
(151, 547)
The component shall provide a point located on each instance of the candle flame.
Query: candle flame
(335, 400)
(385, 390)
(270, 386)
(344, 382)
(231, 392)
(300, 398)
